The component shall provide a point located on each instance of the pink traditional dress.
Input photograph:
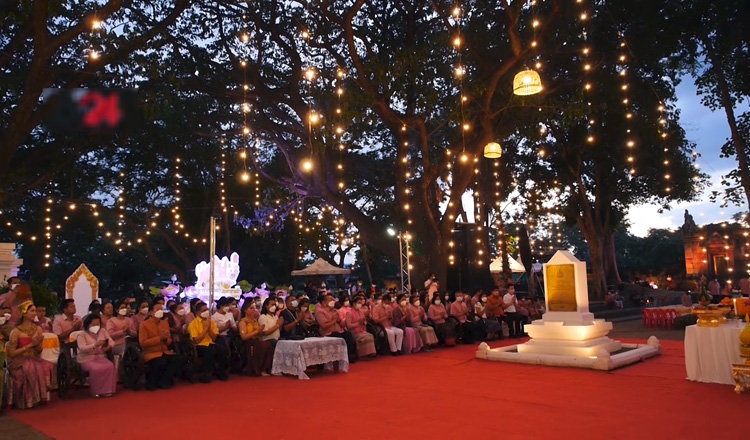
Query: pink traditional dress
(445, 329)
(30, 375)
(343, 311)
(412, 341)
(417, 320)
(365, 341)
(118, 328)
(93, 360)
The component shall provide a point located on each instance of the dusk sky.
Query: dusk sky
(709, 130)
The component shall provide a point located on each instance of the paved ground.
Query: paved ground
(10, 428)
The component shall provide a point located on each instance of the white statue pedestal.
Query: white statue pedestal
(568, 334)
(9, 264)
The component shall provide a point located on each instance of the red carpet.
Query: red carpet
(444, 394)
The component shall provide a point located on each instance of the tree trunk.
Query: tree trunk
(726, 101)
(610, 260)
(596, 249)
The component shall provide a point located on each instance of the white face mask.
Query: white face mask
(417, 303)
(13, 286)
(460, 298)
(122, 312)
(144, 310)
(380, 301)
(7, 316)
(295, 304)
(437, 303)
(2, 320)
(204, 314)
(357, 306)
(36, 319)
(403, 303)
(272, 309)
(447, 297)
(94, 329)
(346, 303)
(159, 314)
(232, 306)
(484, 299)
(331, 304)
(181, 312)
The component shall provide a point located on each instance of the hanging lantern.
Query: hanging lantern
(527, 82)
(493, 151)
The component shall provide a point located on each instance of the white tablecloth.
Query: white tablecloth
(711, 351)
(293, 357)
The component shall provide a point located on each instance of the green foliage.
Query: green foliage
(43, 295)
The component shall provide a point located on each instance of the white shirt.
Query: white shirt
(510, 299)
(269, 321)
(221, 320)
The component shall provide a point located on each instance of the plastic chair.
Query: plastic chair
(646, 317)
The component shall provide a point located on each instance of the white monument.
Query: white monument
(9, 264)
(83, 287)
(226, 272)
(568, 334)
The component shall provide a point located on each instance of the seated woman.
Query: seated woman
(176, 320)
(418, 320)
(310, 328)
(492, 327)
(438, 315)
(343, 306)
(356, 321)
(108, 312)
(29, 373)
(120, 327)
(259, 353)
(234, 310)
(402, 319)
(271, 323)
(93, 345)
(142, 315)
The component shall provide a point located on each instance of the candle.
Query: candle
(736, 316)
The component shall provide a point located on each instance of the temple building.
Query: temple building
(716, 250)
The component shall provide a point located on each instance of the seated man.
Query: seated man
(331, 325)
(510, 304)
(67, 322)
(155, 338)
(293, 319)
(203, 331)
(223, 317)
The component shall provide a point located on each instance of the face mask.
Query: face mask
(460, 298)
(417, 303)
(204, 314)
(272, 309)
(36, 319)
(159, 314)
(358, 306)
(122, 312)
(437, 303)
(330, 304)
(380, 301)
(233, 306)
(484, 299)
(94, 329)
(144, 310)
(180, 312)
(447, 297)
(7, 316)
(359, 284)
(13, 286)
(2, 320)
(403, 303)
(346, 303)
(295, 304)
(258, 304)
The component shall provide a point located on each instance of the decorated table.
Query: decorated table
(293, 357)
(711, 351)
(678, 309)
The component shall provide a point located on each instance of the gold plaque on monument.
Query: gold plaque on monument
(561, 288)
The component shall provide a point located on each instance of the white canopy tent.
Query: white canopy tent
(320, 267)
(515, 265)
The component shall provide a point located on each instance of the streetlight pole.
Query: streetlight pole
(403, 258)
(212, 254)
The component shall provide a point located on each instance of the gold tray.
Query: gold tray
(711, 317)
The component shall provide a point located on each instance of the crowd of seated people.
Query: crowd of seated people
(407, 324)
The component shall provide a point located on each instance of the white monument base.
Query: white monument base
(602, 360)
(564, 339)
